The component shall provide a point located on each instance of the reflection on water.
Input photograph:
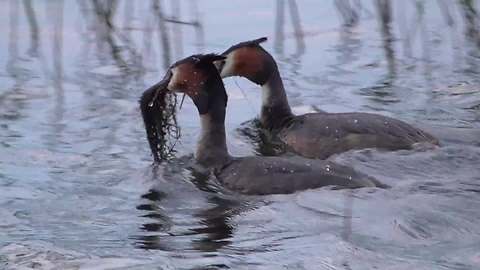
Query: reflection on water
(385, 14)
(78, 188)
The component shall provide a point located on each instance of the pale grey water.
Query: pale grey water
(74, 160)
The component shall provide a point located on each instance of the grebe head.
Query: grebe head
(246, 59)
(197, 77)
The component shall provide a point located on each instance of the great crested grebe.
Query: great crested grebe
(315, 135)
(197, 77)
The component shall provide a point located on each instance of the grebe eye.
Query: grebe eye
(169, 75)
(220, 65)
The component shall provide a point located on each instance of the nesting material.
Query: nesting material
(158, 107)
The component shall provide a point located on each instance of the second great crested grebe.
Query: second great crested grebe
(315, 135)
(197, 77)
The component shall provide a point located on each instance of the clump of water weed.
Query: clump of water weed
(158, 107)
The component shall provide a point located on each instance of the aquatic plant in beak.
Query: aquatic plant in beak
(158, 108)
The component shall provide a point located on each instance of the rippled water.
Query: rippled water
(77, 189)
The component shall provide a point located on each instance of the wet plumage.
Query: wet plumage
(320, 135)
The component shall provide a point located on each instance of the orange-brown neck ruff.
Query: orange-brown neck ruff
(248, 61)
(187, 79)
